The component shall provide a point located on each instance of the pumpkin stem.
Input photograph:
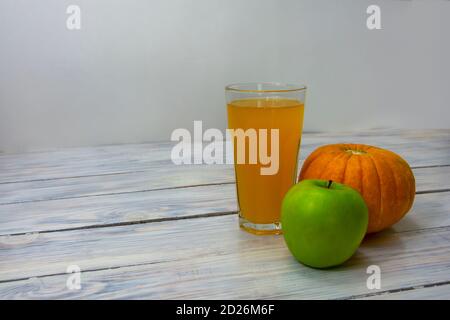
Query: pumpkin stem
(329, 183)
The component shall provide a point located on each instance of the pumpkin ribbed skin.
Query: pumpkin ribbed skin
(382, 177)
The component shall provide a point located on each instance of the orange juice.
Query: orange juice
(260, 196)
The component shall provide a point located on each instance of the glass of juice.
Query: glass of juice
(265, 122)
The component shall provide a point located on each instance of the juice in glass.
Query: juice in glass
(273, 107)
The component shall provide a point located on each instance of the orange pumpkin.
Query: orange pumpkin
(383, 178)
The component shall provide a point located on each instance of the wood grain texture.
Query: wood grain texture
(221, 262)
(113, 209)
(163, 177)
(76, 162)
(419, 148)
(137, 230)
(168, 204)
(169, 176)
(38, 254)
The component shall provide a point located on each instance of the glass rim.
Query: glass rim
(284, 87)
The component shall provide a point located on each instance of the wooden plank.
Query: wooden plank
(418, 148)
(436, 292)
(162, 204)
(80, 162)
(211, 259)
(429, 211)
(170, 176)
(37, 254)
(432, 179)
(114, 209)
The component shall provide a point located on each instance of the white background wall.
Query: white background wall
(138, 69)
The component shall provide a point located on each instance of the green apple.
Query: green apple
(323, 222)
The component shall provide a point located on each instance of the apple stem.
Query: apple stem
(329, 183)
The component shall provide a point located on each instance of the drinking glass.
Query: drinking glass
(265, 122)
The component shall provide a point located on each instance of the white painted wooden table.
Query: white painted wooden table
(140, 227)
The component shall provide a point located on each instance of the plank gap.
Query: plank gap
(379, 293)
(148, 170)
(432, 191)
(126, 223)
(87, 270)
(162, 189)
(76, 177)
(119, 193)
